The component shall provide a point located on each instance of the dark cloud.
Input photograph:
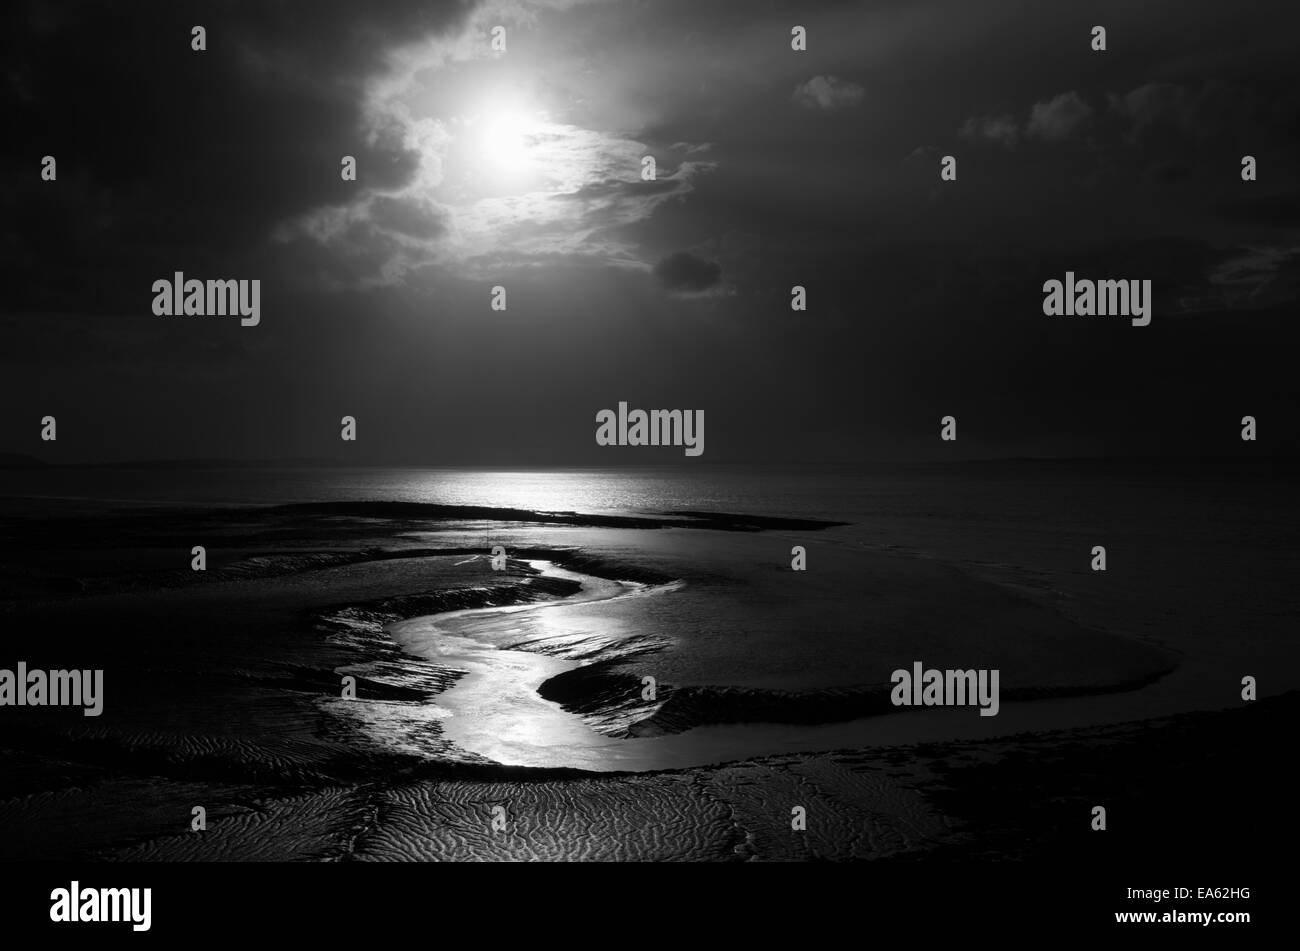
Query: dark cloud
(828, 92)
(407, 216)
(170, 158)
(1052, 120)
(683, 271)
(1058, 118)
(662, 185)
(1004, 130)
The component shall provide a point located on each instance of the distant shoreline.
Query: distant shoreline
(1277, 458)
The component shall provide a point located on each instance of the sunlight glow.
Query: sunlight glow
(499, 148)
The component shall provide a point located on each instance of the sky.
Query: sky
(522, 168)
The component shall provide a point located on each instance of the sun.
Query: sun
(505, 138)
(500, 144)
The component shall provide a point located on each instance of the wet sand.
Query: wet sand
(521, 688)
